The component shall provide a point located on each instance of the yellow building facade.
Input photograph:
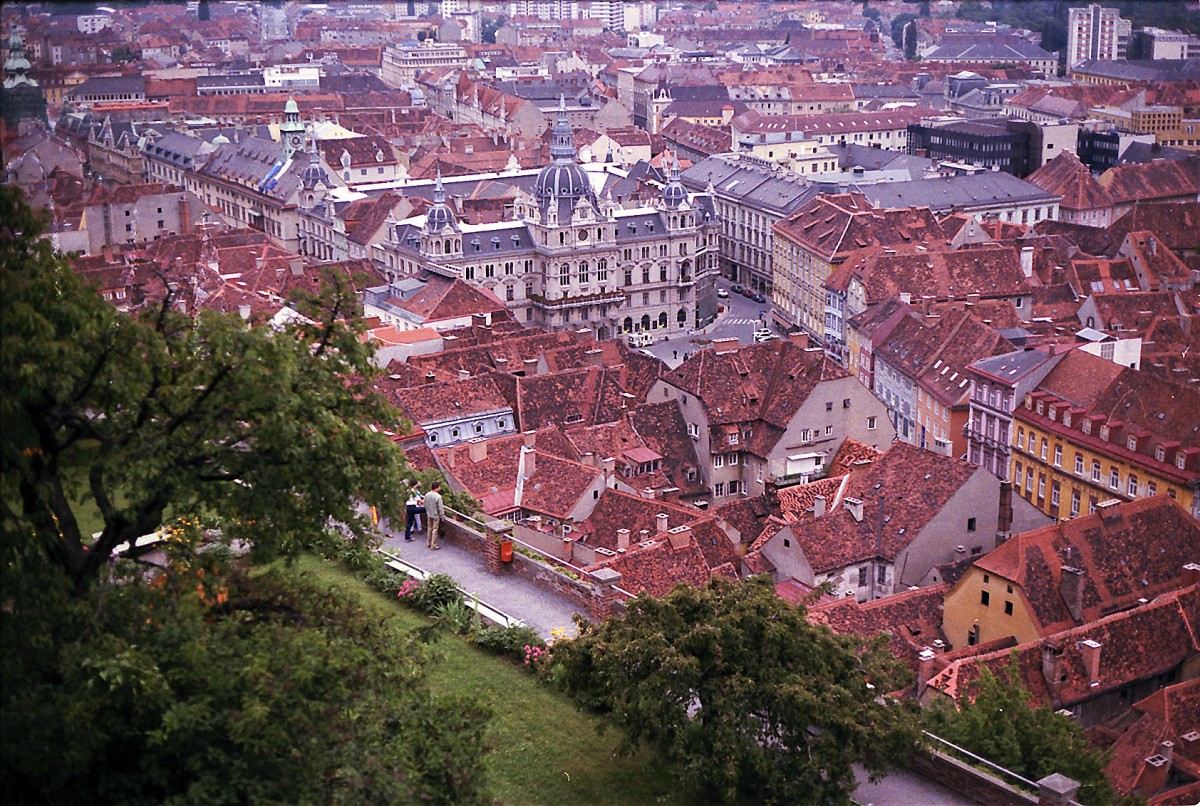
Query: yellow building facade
(983, 607)
(1067, 461)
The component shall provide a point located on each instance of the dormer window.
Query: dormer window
(1087, 426)
(1104, 433)
(1067, 418)
(1041, 407)
(1053, 414)
(1132, 444)
(1160, 453)
(1180, 460)
(1028, 400)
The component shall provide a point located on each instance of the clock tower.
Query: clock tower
(291, 131)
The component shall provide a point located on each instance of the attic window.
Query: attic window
(574, 418)
(1180, 460)
(1104, 433)
(1132, 443)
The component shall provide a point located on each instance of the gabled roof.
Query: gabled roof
(1161, 179)
(832, 226)
(911, 620)
(444, 400)
(1126, 552)
(1068, 177)
(761, 382)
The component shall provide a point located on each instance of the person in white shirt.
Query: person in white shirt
(413, 508)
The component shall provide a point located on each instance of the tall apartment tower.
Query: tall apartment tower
(1096, 33)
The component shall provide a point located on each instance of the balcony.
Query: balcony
(578, 300)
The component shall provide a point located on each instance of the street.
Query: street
(741, 317)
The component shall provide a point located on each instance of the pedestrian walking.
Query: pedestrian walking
(435, 510)
(675, 353)
(413, 508)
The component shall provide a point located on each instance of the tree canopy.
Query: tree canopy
(213, 684)
(740, 693)
(1001, 726)
(267, 431)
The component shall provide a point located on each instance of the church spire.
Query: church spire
(562, 149)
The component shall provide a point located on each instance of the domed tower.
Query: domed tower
(562, 183)
(314, 174)
(20, 96)
(674, 194)
(291, 131)
(441, 235)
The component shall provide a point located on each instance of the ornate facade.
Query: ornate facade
(571, 259)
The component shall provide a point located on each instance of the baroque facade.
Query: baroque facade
(572, 260)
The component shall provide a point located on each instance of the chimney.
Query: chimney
(727, 345)
(1057, 788)
(297, 266)
(530, 461)
(799, 339)
(1154, 775)
(430, 377)
(1191, 574)
(594, 358)
(1027, 261)
(622, 539)
(643, 535)
(855, 507)
(662, 522)
(531, 367)
(258, 262)
(108, 253)
(973, 299)
(680, 537)
(1153, 244)
(818, 506)
(483, 334)
(478, 320)
(589, 459)
(610, 465)
(478, 449)
(1004, 517)
(1071, 587)
(450, 458)
(500, 361)
(1058, 275)
(185, 215)
(530, 438)
(464, 374)
(1052, 666)
(244, 311)
(925, 669)
(1166, 749)
(1090, 652)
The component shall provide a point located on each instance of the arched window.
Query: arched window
(645, 321)
(682, 317)
(662, 319)
(627, 325)
(447, 246)
(583, 271)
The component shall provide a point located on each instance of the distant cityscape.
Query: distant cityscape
(883, 300)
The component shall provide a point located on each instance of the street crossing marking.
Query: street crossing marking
(741, 321)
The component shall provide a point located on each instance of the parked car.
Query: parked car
(639, 339)
(722, 293)
(736, 288)
(762, 334)
(748, 293)
(759, 298)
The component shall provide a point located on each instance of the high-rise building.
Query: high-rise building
(1096, 33)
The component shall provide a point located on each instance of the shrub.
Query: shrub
(455, 615)
(437, 592)
(510, 641)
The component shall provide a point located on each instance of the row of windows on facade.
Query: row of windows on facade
(1131, 442)
(1132, 486)
(456, 433)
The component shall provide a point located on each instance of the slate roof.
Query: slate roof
(983, 48)
(957, 192)
(1126, 552)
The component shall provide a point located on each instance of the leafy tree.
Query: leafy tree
(740, 693)
(898, 24)
(265, 430)
(1033, 742)
(209, 686)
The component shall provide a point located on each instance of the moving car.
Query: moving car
(736, 288)
(639, 339)
(759, 298)
(762, 334)
(722, 293)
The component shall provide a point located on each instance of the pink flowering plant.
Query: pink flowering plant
(535, 656)
(409, 587)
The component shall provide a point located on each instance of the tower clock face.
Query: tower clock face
(295, 141)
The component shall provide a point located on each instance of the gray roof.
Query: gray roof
(981, 48)
(178, 149)
(1011, 367)
(111, 85)
(852, 155)
(239, 80)
(956, 192)
(778, 192)
(1143, 69)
